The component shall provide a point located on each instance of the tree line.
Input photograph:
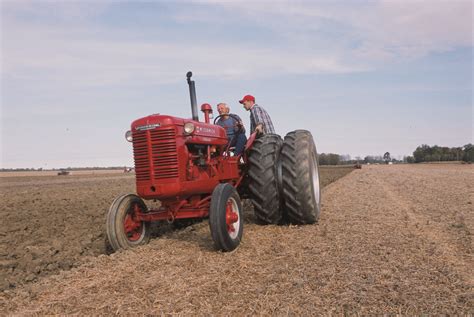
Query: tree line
(426, 153)
(338, 159)
(423, 153)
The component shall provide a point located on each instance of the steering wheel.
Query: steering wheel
(240, 127)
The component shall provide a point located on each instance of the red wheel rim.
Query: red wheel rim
(133, 228)
(232, 218)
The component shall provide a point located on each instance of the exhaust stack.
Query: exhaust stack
(192, 95)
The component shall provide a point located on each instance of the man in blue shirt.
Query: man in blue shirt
(234, 128)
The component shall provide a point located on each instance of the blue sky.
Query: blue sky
(364, 77)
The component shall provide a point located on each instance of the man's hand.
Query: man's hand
(259, 128)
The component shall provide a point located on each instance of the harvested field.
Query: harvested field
(391, 239)
(89, 172)
(56, 223)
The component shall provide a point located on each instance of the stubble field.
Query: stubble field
(395, 239)
(54, 223)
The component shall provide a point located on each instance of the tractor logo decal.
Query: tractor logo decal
(206, 130)
(147, 127)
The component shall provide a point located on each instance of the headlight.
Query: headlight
(189, 127)
(128, 136)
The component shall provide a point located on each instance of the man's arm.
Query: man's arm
(239, 123)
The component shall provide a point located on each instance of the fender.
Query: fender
(250, 141)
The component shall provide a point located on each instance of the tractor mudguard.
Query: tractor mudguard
(250, 141)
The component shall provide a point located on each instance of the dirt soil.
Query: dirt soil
(54, 223)
(391, 239)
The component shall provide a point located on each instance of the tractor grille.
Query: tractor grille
(140, 155)
(165, 157)
(161, 158)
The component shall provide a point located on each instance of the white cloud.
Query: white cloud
(80, 56)
(413, 29)
(385, 29)
(72, 50)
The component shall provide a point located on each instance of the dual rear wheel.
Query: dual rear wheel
(300, 178)
(284, 179)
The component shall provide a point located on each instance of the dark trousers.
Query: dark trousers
(238, 141)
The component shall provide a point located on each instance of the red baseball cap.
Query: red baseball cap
(247, 98)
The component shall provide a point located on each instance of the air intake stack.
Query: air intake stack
(192, 95)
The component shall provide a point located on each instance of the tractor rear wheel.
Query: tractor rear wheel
(226, 218)
(124, 231)
(263, 179)
(300, 178)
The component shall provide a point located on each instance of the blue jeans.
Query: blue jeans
(238, 141)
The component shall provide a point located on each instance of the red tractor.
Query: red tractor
(188, 166)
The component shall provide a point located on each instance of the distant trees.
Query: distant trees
(373, 159)
(345, 157)
(426, 153)
(329, 159)
(337, 159)
(468, 155)
(423, 153)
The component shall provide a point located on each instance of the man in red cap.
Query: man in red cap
(260, 121)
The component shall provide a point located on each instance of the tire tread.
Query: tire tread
(299, 201)
(263, 183)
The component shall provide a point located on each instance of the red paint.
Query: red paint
(207, 109)
(132, 225)
(178, 169)
(231, 217)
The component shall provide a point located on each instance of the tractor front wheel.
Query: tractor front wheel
(225, 218)
(124, 231)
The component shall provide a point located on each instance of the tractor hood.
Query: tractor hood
(155, 121)
(203, 132)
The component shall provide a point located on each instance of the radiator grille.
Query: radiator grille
(165, 157)
(140, 155)
(161, 158)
